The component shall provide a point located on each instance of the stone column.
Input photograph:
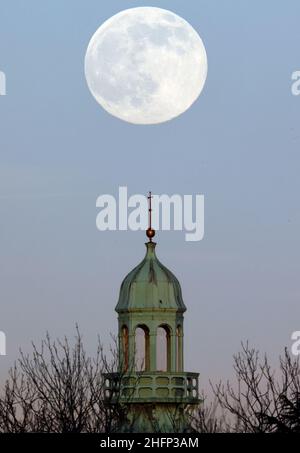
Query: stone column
(173, 352)
(131, 351)
(152, 342)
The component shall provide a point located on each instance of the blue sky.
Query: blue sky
(238, 145)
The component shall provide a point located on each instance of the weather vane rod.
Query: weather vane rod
(150, 232)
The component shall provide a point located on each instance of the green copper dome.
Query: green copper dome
(150, 286)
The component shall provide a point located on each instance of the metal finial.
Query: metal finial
(150, 232)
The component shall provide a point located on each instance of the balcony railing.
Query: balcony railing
(147, 387)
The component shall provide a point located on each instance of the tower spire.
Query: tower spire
(150, 233)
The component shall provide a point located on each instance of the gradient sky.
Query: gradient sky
(238, 145)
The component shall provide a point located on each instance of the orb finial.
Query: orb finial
(150, 233)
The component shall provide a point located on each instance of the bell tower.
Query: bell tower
(151, 382)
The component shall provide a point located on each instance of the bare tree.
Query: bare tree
(208, 417)
(261, 399)
(58, 388)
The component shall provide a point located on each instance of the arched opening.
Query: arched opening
(179, 353)
(142, 356)
(163, 348)
(125, 347)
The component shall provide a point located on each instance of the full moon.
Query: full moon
(146, 65)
